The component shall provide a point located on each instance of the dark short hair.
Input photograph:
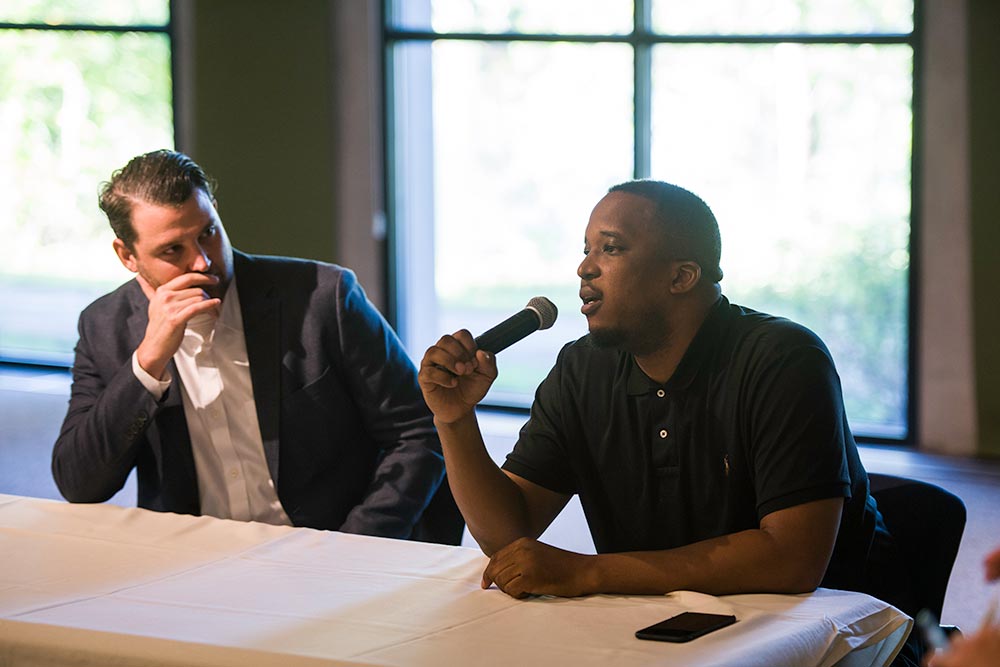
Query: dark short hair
(162, 177)
(688, 223)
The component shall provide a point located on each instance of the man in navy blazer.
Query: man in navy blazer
(309, 416)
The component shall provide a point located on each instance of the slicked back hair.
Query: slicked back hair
(161, 177)
(688, 223)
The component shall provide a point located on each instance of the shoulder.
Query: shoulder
(294, 277)
(759, 334)
(280, 268)
(114, 306)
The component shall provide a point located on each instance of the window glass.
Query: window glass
(517, 142)
(526, 16)
(803, 152)
(716, 17)
(73, 107)
(96, 12)
(500, 148)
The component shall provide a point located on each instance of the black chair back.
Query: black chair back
(927, 523)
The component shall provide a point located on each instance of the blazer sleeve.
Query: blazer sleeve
(109, 411)
(384, 381)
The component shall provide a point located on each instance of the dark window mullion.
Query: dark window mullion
(85, 27)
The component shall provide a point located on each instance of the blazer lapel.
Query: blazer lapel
(261, 331)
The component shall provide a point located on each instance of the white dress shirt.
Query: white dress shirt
(233, 479)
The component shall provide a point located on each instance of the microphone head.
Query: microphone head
(545, 309)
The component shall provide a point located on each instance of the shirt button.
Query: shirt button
(234, 474)
(663, 433)
(661, 393)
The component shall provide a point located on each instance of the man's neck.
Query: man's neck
(659, 364)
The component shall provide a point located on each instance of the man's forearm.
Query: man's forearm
(402, 485)
(789, 553)
(492, 504)
(94, 453)
(751, 561)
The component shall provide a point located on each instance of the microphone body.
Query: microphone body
(540, 313)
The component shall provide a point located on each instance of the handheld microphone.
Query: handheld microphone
(540, 313)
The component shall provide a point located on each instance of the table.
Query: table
(107, 585)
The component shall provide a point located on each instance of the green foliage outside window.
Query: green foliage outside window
(74, 105)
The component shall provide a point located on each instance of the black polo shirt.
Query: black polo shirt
(751, 422)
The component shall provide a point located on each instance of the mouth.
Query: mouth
(592, 300)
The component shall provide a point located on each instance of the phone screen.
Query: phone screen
(685, 627)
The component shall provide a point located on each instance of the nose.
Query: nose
(201, 262)
(587, 269)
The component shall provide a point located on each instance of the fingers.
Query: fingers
(451, 357)
(188, 280)
(507, 577)
(486, 364)
(182, 297)
(454, 354)
(509, 569)
(457, 354)
(171, 306)
(992, 565)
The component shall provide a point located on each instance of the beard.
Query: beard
(217, 291)
(609, 339)
(652, 336)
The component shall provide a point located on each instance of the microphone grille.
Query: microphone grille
(547, 311)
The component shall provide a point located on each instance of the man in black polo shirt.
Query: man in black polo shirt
(708, 442)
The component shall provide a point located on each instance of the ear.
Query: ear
(125, 256)
(686, 276)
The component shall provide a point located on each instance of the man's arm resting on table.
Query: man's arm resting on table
(498, 507)
(788, 553)
(96, 447)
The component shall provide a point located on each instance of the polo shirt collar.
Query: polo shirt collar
(701, 349)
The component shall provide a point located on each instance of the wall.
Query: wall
(946, 402)
(984, 185)
(276, 103)
(959, 383)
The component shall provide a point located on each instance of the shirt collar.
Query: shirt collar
(231, 316)
(700, 349)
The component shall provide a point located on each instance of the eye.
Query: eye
(610, 249)
(586, 251)
(171, 251)
(209, 231)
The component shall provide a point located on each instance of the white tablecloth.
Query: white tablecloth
(105, 585)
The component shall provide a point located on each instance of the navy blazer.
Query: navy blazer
(348, 439)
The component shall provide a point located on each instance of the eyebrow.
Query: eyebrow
(605, 234)
(175, 241)
(164, 246)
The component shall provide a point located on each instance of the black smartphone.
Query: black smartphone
(685, 627)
